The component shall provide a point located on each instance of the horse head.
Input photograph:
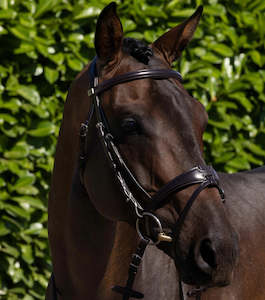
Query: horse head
(157, 127)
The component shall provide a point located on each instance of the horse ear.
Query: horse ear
(172, 43)
(109, 33)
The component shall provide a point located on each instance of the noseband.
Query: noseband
(204, 175)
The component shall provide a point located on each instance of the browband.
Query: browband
(136, 75)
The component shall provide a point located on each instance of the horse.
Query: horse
(129, 171)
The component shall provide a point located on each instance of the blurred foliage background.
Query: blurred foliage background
(45, 43)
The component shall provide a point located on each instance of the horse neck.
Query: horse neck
(89, 252)
(98, 251)
(105, 248)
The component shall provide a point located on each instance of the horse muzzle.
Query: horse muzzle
(210, 263)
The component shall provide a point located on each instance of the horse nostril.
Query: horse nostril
(206, 256)
(208, 253)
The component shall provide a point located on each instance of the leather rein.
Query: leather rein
(204, 175)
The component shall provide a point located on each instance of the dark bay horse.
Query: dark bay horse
(157, 128)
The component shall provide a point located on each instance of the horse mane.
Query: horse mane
(137, 49)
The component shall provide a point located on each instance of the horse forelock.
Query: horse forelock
(137, 49)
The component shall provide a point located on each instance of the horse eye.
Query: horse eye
(130, 126)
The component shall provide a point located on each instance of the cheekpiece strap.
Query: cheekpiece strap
(92, 71)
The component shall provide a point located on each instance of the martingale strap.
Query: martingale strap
(127, 291)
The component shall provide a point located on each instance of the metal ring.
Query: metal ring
(157, 222)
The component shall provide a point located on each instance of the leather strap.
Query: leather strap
(196, 175)
(188, 205)
(130, 76)
(127, 291)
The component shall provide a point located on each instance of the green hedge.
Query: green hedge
(45, 43)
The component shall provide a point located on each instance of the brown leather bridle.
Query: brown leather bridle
(204, 175)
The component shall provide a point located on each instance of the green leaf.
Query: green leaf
(3, 196)
(222, 49)
(128, 25)
(231, 33)
(2, 182)
(255, 80)
(150, 35)
(184, 13)
(29, 93)
(25, 47)
(7, 248)
(241, 98)
(28, 297)
(75, 37)
(248, 18)
(27, 190)
(239, 163)
(42, 280)
(7, 14)
(3, 230)
(135, 35)
(45, 6)
(8, 119)
(27, 20)
(16, 273)
(51, 74)
(27, 254)
(225, 157)
(13, 104)
(42, 49)
(12, 223)
(3, 71)
(31, 201)
(214, 10)
(57, 58)
(153, 11)
(44, 128)
(23, 33)
(18, 151)
(256, 149)
(210, 57)
(4, 4)
(199, 51)
(256, 57)
(86, 12)
(17, 211)
(74, 63)
(12, 82)
(23, 181)
(218, 124)
(35, 229)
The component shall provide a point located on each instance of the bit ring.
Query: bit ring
(155, 218)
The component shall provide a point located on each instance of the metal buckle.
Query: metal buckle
(100, 126)
(196, 292)
(91, 92)
(161, 235)
(83, 129)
